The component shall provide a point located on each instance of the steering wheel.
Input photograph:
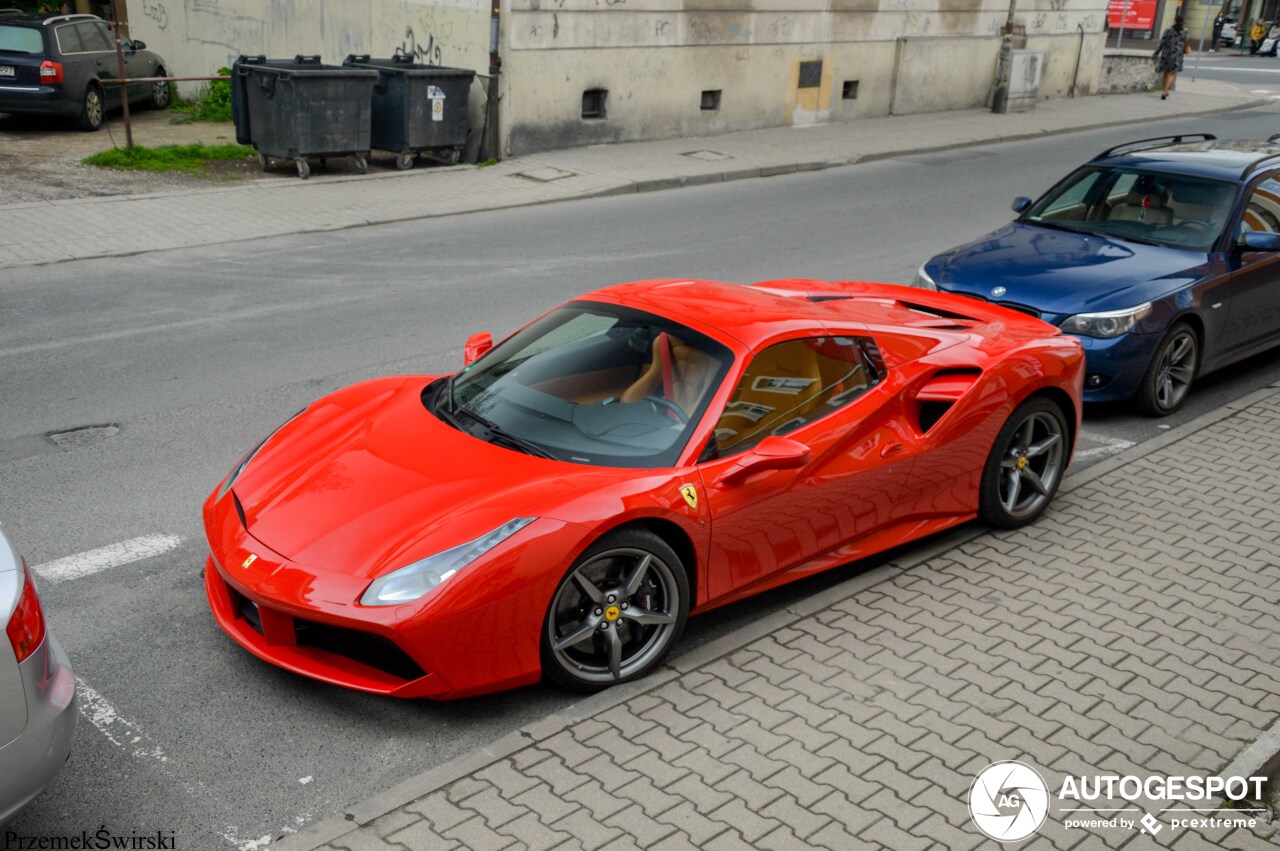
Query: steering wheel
(659, 402)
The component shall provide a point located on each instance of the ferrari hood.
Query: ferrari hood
(1058, 272)
(366, 480)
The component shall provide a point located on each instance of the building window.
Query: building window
(593, 103)
(711, 100)
(811, 74)
(850, 91)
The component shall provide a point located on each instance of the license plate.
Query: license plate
(8, 71)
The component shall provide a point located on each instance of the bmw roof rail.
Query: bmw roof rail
(12, 12)
(1260, 163)
(1156, 142)
(57, 18)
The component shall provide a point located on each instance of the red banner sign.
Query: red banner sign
(1134, 14)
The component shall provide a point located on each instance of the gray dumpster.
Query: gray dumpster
(417, 108)
(299, 108)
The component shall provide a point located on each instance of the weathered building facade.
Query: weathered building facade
(577, 72)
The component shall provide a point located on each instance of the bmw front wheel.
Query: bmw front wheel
(617, 613)
(1167, 381)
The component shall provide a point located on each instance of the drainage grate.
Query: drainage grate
(706, 155)
(545, 174)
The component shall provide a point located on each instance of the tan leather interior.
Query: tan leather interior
(1147, 207)
(691, 372)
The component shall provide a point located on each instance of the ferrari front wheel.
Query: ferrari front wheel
(617, 613)
(1025, 466)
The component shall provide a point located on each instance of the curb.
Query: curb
(647, 185)
(1263, 756)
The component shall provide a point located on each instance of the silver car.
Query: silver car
(37, 690)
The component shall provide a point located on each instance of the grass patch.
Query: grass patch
(192, 159)
(211, 103)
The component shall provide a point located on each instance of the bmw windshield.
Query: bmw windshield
(1140, 206)
(590, 383)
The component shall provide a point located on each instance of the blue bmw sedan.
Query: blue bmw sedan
(1161, 255)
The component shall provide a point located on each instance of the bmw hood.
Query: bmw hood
(366, 480)
(1058, 272)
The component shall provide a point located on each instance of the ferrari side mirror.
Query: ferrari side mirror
(477, 345)
(772, 453)
(1020, 204)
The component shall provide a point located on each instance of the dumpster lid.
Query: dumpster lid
(402, 63)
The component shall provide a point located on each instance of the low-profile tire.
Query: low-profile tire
(1167, 381)
(93, 110)
(616, 614)
(161, 93)
(1026, 465)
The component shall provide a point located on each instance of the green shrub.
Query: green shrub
(211, 103)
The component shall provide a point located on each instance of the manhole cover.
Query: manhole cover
(545, 174)
(75, 438)
(707, 155)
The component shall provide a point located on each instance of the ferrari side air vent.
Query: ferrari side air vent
(819, 298)
(943, 389)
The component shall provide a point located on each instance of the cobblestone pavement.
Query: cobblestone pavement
(1131, 631)
(35, 232)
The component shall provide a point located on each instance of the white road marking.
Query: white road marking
(113, 555)
(1244, 68)
(1260, 91)
(120, 731)
(1110, 446)
(305, 780)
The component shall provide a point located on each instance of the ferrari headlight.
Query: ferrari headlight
(923, 280)
(414, 580)
(244, 462)
(1113, 323)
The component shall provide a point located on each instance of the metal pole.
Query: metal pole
(1124, 15)
(124, 87)
(1196, 67)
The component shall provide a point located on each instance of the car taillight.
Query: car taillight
(50, 71)
(26, 627)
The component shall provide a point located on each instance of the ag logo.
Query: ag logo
(690, 494)
(999, 291)
(1008, 801)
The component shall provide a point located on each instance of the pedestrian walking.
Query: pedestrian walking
(1168, 56)
(1257, 33)
(1218, 23)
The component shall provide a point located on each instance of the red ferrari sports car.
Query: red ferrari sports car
(563, 503)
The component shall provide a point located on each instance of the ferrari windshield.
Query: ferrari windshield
(593, 384)
(1140, 206)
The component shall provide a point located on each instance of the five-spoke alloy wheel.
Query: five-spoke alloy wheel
(617, 613)
(1025, 466)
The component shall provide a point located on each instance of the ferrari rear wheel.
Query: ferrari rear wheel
(617, 613)
(1025, 466)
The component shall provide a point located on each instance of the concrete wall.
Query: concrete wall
(655, 58)
(1127, 71)
(197, 37)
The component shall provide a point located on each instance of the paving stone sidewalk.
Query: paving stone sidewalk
(1132, 630)
(36, 232)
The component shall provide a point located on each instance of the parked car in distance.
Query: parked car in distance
(1228, 36)
(58, 64)
(563, 502)
(1162, 255)
(37, 690)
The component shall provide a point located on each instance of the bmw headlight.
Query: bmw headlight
(244, 462)
(923, 280)
(1112, 323)
(414, 580)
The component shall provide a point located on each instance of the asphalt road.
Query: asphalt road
(196, 354)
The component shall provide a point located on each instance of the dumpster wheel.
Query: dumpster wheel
(405, 161)
(264, 161)
(362, 164)
(304, 169)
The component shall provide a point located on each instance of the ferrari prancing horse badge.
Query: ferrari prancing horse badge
(690, 494)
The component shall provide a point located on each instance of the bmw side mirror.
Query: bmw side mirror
(1020, 204)
(772, 453)
(139, 45)
(1261, 241)
(477, 345)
